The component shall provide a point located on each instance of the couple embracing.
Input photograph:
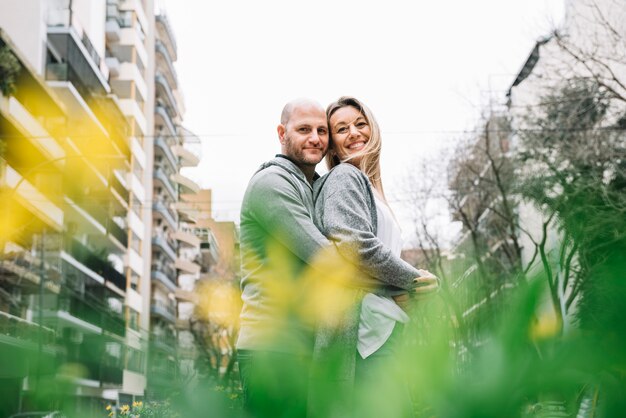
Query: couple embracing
(333, 360)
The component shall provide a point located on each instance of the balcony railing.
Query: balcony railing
(96, 263)
(113, 119)
(80, 64)
(164, 310)
(167, 213)
(186, 185)
(103, 363)
(161, 49)
(164, 278)
(165, 114)
(83, 202)
(209, 251)
(164, 341)
(165, 267)
(164, 90)
(24, 330)
(92, 311)
(117, 185)
(120, 234)
(164, 146)
(114, 324)
(159, 174)
(161, 19)
(165, 245)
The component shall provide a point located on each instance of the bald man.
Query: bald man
(278, 238)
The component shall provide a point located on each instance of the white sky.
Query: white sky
(425, 68)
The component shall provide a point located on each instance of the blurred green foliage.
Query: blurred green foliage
(9, 71)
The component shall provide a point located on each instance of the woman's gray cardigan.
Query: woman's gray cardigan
(345, 212)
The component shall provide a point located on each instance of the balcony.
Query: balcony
(161, 277)
(86, 312)
(29, 197)
(163, 113)
(100, 364)
(187, 211)
(139, 154)
(103, 231)
(96, 263)
(119, 188)
(209, 250)
(132, 109)
(164, 342)
(163, 310)
(114, 66)
(21, 117)
(167, 63)
(165, 34)
(186, 296)
(164, 212)
(112, 29)
(22, 269)
(133, 260)
(160, 175)
(187, 266)
(160, 242)
(187, 186)
(130, 46)
(163, 148)
(187, 238)
(81, 63)
(115, 325)
(130, 80)
(21, 332)
(120, 234)
(164, 91)
(136, 6)
(162, 372)
(110, 114)
(187, 157)
(92, 221)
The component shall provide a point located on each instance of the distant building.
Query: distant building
(175, 245)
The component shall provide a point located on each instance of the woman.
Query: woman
(351, 210)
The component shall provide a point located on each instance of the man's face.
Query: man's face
(305, 136)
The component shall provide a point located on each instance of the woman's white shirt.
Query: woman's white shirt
(379, 314)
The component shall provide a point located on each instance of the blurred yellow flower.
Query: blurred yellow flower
(546, 326)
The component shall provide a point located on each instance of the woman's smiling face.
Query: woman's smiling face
(350, 132)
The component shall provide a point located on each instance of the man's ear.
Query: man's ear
(281, 133)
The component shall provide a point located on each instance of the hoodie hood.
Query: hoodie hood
(284, 162)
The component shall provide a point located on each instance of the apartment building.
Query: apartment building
(208, 300)
(76, 240)
(175, 245)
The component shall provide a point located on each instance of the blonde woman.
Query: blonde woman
(351, 210)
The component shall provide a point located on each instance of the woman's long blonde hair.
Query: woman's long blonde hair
(370, 155)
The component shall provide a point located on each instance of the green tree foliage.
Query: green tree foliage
(9, 71)
(574, 155)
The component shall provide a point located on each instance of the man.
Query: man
(278, 238)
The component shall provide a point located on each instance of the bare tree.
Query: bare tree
(215, 330)
(592, 44)
(578, 160)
